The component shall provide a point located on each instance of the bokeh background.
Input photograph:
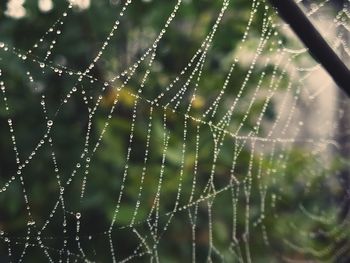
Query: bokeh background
(277, 190)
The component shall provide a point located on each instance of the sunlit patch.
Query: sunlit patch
(15, 9)
(45, 5)
(81, 4)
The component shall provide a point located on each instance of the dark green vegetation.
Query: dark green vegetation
(277, 202)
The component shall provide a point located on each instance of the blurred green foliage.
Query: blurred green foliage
(286, 188)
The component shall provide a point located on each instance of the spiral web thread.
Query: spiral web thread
(282, 77)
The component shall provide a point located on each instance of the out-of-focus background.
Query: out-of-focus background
(169, 131)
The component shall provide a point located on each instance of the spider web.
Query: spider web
(164, 168)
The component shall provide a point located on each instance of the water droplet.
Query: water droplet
(77, 215)
(49, 123)
(30, 223)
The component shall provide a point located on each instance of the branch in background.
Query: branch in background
(317, 45)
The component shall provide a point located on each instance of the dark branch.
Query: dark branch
(313, 40)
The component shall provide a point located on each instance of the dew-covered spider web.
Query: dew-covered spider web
(169, 131)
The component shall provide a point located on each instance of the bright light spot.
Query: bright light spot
(15, 9)
(45, 5)
(81, 4)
